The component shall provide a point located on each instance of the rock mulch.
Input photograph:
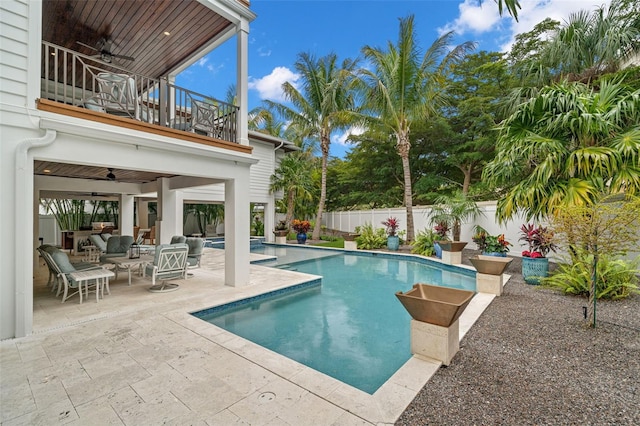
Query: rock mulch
(531, 360)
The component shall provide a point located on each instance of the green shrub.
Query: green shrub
(371, 238)
(616, 278)
(423, 243)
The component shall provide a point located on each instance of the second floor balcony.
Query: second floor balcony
(102, 88)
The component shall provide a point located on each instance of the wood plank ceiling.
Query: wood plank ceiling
(135, 27)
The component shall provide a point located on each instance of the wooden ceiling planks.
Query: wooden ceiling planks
(136, 27)
(79, 171)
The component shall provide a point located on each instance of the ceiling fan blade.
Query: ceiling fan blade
(86, 45)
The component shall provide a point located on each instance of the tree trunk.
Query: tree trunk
(403, 149)
(324, 143)
(467, 179)
(290, 207)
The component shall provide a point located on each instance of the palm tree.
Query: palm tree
(594, 43)
(566, 146)
(320, 108)
(404, 87)
(293, 176)
(454, 209)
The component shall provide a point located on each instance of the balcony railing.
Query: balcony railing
(79, 80)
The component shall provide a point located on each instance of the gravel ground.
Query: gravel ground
(531, 360)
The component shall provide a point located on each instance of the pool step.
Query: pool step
(288, 267)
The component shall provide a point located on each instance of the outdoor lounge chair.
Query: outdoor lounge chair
(170, 261)
(178, 239)
(59, 262)
(46, 251)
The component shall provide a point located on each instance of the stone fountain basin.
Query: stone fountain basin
(491, 265)
(452, 245)
(434, 304)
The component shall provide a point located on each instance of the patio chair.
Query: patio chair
(46, 251)
(178, 239)
(196, 248)
(169, 262)
(98, 242)
(117, 246)
(59, 262)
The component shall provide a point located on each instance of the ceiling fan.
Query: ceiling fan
(103, 47)
(110, 176)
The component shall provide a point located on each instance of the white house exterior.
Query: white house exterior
(54, 141)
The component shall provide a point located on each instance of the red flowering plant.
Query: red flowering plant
(392, 225)
(301, 226)
(442, 229)
(539, 240)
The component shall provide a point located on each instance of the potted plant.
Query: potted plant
(393, 240)
(539, 241)
(301, 227)
(281, 229)
(491, 245)
(442, 229)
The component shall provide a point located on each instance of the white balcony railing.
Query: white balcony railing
(75, 79)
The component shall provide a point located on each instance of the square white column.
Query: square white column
(491, 284)
(451, 257)
(434, 341)
(236, 231)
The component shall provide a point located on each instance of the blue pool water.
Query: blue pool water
(352, 327)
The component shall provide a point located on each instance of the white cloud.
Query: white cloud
(263, 51)
(202, 61)
(270, 86)
(341, 139)
(484, 18)
(474, 17)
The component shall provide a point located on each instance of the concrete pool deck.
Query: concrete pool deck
(140, 358)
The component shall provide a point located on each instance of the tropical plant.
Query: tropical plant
(491, 243)
(539, 240)
(453, 210)
(423, 243)
(281, 225)
(593, 43)
(293, 177)
(404, 87)
(69, 214)
(205, 214)
(565, 147)
(321, 107)
(392, 224)
(301, 226)
(370, 238)
(441, 229)
(615, 279)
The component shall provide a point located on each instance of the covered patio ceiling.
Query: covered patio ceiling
(160, 35)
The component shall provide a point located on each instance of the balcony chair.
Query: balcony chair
(169, 262)
(204, 118)
(117, 95)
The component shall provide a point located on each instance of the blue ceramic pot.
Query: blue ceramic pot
(438, 250)
(533, 269)
(301, 237)
(393, 243)
(493, 253)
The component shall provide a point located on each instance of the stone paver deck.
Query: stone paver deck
(139, 358)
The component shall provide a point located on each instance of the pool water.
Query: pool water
(352, 327)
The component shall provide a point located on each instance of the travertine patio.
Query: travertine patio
(139, 358)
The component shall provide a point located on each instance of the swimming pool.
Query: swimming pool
(351, 327)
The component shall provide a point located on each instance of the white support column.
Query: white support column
(169, 221)
(269, 221)
(126, 215)
(241, 81)
(236, 232)
(143, 213)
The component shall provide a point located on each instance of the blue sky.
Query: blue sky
(284, 28)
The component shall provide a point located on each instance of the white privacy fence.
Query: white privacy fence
(347, 221)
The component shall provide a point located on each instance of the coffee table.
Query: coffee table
(129, 264)
(101, 276)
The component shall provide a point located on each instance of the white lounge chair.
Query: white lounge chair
(169, 262)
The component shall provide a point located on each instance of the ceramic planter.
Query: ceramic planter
(301, 237)
(393, 242)
(434, 304)
(452, 245)
(534, 268)
(491, 265)
(280, 233)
